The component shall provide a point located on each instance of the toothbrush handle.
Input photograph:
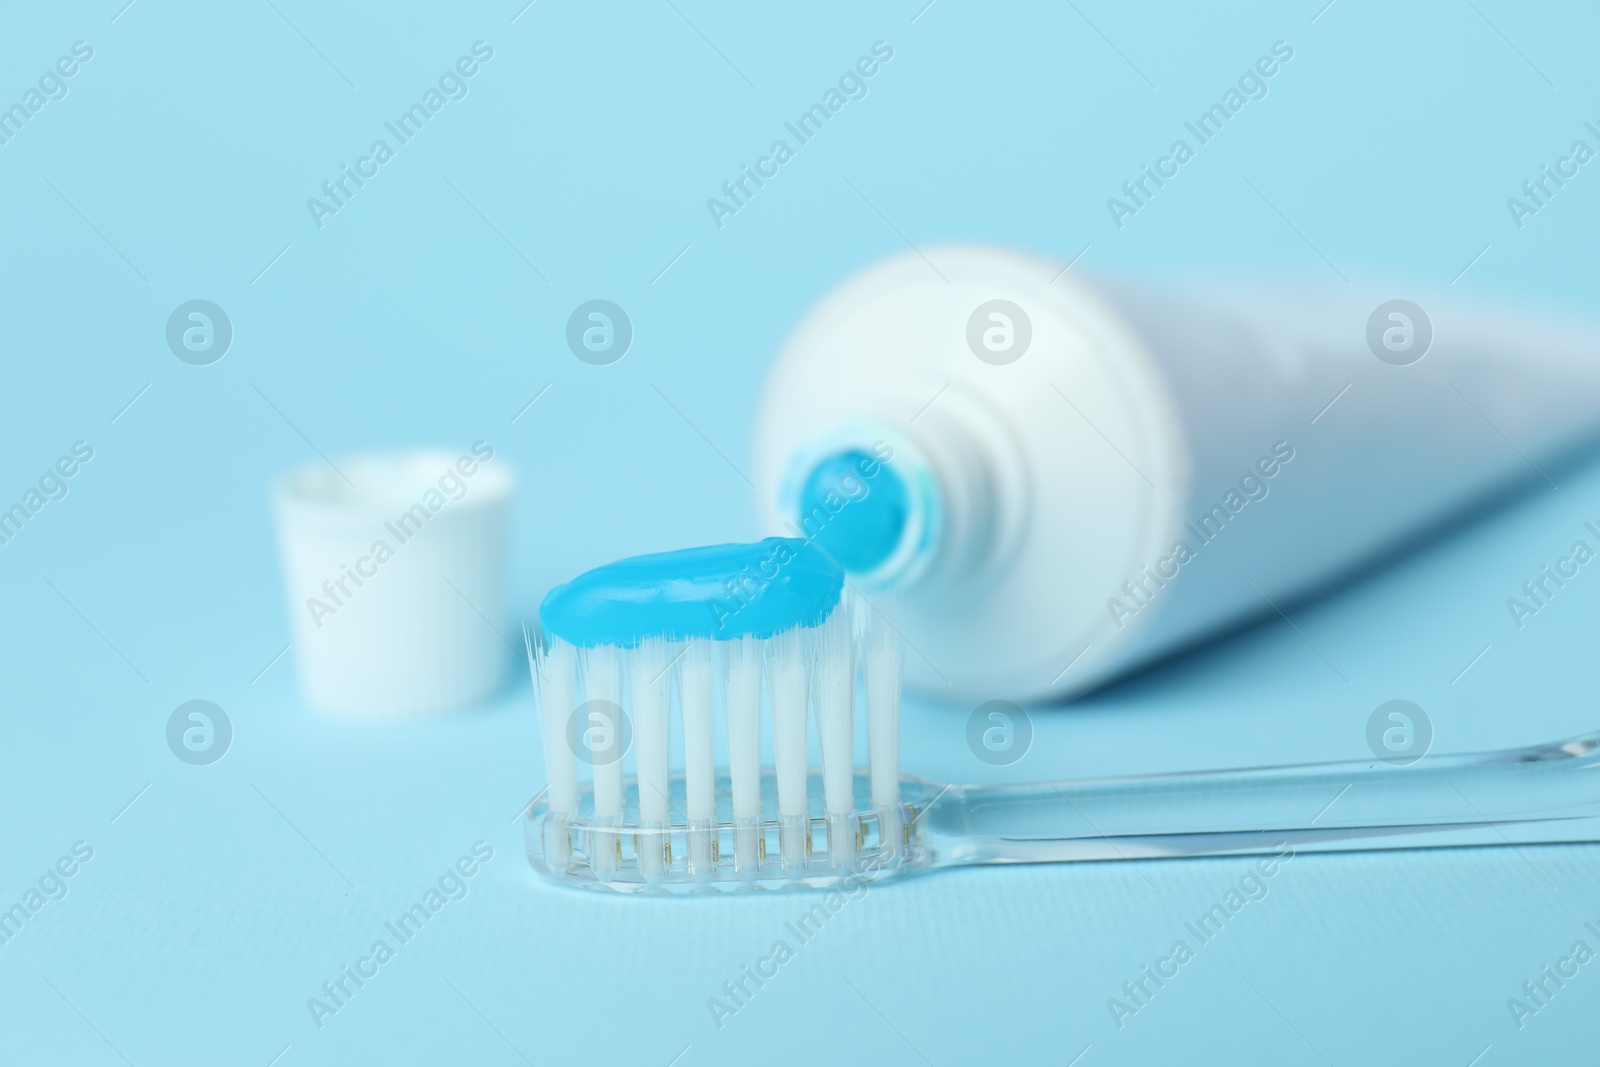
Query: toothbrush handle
(1546, 793)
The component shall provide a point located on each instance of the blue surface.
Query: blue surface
(717, 591)
(433, 307)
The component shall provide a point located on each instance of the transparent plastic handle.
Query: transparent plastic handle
(1542, 794)
(1538, 795)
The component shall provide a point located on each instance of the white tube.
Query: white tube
(1055, 456)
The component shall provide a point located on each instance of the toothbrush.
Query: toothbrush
(719, 625)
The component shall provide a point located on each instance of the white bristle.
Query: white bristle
(833, 668)
(787, 691)
(741, 697)
(697, 697)
(698, 700)
(553, 682)
(882, 651)
(553, 673)
(834, 672)
(601, 668)
(649, 667)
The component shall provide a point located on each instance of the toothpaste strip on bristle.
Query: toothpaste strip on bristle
(650, 668)
(697, 699)
(787, 687)
(833, 667)
(883, 655)
(601, 668)
(553, 683)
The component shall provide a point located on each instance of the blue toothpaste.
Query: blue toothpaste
(718, 591)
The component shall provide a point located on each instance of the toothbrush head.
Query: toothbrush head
(717, 633)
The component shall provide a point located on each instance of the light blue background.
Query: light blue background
(223, 898)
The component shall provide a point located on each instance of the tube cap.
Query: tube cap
(394, 568)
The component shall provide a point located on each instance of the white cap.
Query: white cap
(394, 567)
